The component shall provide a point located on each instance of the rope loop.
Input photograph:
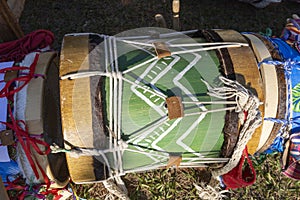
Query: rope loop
(249, 114)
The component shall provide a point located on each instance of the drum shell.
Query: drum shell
(45, 104)
(239, 64)
(275, 88)
(79, 111)
(235, 63)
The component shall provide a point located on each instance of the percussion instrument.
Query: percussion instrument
(140, 99)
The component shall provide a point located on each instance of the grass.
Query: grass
(111, 17)
(161, 184)
(270, 183)
(178, 184)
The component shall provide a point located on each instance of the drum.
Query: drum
(138, 101)
(38, 105)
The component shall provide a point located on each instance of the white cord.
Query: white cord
(246, 102)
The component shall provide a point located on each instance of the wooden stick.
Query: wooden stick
(10, 19)
(295, 16)
(161, 22)
(3, 193)
(176, 6)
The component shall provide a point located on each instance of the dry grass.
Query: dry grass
(178, 184)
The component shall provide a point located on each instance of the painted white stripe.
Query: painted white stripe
(165, 133)
(166, 70)
(149, 76)
(149, 130)
(208, 44)
(140, 65)
(154, 72)
(184, 135)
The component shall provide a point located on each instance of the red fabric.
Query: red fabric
(22, 135)
(54, 192)
(242, 175)
(21, 190)
(16, 50)
(292, 168)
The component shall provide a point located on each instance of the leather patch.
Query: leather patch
(7, 137)
(10, 75)
(174, 161)
(161, 49)
(175, 108)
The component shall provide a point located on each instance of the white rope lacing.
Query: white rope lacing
(77, 152)
(246, 102)
(115, 190)
(118, 189)
(209, 48)
(210, 193)
(152, 33)
(212, 46)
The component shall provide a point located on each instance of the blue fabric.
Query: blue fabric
(291, 65)
(8, 169)
(277, 145)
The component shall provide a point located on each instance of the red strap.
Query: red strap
(23, 190)
(6, 90)
(54, 192)
(16, 186)
(22, 134)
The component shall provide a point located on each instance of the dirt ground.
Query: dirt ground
(111, 16)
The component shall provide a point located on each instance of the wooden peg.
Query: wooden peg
(176, 10)
(7, 137)
(175, 107)
(10, 75)
(161, 22)
(161, 49)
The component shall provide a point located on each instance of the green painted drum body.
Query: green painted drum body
(141, 99)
